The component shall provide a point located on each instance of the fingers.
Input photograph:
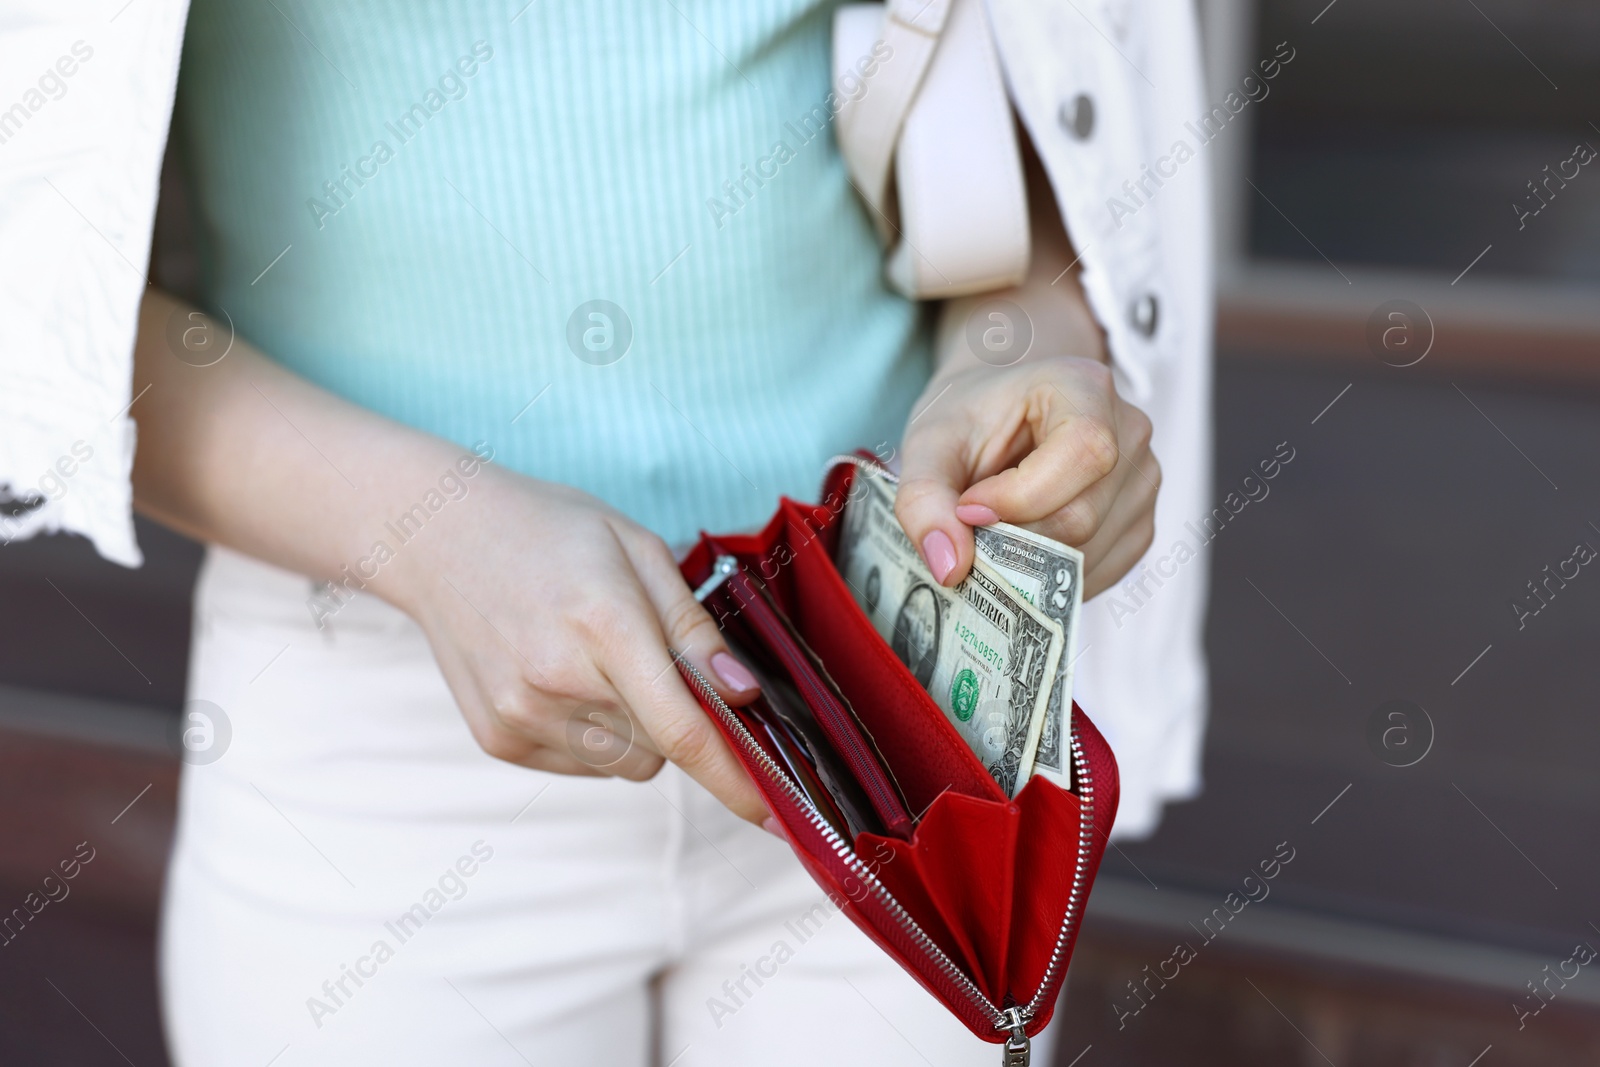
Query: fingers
(689, 628)
(1076, 445)
(934, 470)
(610, 701)
(604, 737)
(1112, 504)
(533, 727)
(1127, 532)
(683, 732)
(647, 679)
(508, 727)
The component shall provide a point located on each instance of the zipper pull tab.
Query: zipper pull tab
(724, 568)
(1017, 1049)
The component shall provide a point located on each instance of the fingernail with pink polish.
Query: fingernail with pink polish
(734, 675)
(770, 825)
(976, 514)
(940, 552)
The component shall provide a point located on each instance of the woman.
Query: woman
(501, 326)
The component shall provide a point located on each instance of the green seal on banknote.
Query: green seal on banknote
(964, 695)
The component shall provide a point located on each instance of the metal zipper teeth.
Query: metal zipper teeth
(843, 849)
(801, 670)
(1076, 898)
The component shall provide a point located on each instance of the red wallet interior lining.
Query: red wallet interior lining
(922, 749)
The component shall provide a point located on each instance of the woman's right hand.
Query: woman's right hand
(551, 616)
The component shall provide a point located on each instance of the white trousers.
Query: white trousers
(355, 882)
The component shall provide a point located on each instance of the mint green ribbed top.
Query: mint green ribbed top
(434, 189)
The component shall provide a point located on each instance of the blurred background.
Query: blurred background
(1410, 299)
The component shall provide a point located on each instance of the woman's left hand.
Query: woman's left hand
(1046, 444)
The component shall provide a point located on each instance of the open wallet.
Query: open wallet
(977, 895)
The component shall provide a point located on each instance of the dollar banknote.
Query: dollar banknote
(987, 657)
(1050, 575)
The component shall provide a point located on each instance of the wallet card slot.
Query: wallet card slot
(782, 717)
(849, 738)
(789, 753)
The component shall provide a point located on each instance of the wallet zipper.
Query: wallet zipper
(1076, 897)
(1010, 1020)
(841, 847)
(723, 568)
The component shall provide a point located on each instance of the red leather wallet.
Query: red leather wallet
(981, 900)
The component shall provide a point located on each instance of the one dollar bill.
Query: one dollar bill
(987, 657)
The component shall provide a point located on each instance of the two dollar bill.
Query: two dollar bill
(996, 651)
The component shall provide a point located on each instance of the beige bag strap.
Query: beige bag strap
(932, 115)
(869, 127)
